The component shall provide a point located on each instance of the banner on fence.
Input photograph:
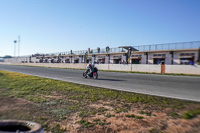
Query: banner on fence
(86, 57)
(128, 56)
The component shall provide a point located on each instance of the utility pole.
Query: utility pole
(18, 45)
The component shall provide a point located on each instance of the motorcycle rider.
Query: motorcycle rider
(90, 68)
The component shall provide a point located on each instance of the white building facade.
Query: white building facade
(171, 54)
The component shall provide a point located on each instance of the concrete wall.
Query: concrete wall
(106, 60)
(102, 66)
(59, 65)
(185, 69)
(124, 59)
(15, 60)
(178, 69)
(168, 58)
(146, 68)
(120, 67)
(176, 58)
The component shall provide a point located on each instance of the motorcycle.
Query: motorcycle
(93, 74)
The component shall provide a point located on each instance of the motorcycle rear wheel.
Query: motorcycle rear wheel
(95, 76)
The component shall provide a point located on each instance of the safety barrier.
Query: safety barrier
(176, 69)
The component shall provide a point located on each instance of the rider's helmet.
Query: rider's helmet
(90, 65)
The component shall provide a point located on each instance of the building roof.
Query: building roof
(128, 47)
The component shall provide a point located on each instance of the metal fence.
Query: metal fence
(153, 47)
(169, 46)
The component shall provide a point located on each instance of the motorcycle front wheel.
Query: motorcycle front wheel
(84, 75)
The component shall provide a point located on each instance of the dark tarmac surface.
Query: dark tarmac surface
(180, 87)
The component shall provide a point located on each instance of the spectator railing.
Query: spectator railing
(153, 47)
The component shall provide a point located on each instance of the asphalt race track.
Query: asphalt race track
(180, 87)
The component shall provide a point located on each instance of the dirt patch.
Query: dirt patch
(101, 105)
(12, 104)
(55, 97)
(108, 121)
(16, 108)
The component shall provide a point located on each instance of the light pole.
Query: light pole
(15, 41)
(18, 45)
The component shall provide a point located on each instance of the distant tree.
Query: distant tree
(7, 56)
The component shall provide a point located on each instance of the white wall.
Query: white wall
(168, 58)
(176, 58)
(150, 58)
(106, 59)
(146, 68)
(120, 67)
(129, 67)
(102, 66)
(15, 60)
(124, 58)
(185, 69)
(93, 60)
(60, 65)
(143, 59)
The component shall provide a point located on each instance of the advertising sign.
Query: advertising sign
(128, 56)
(86, 57)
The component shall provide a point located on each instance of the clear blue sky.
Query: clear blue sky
(61, 25)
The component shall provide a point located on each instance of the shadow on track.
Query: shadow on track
(110, 79)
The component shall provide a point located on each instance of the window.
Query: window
(101, 61)
(117, 56)
(101, 56)
(76, 61)
(136, 55)
(117, 61)
(136, 61)
(187, 54)
(158, 61)
(163, 55)
(187, 61)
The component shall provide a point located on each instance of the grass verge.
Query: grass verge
(62, 107)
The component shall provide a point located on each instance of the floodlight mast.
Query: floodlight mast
(18, 45)
(15, 41)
